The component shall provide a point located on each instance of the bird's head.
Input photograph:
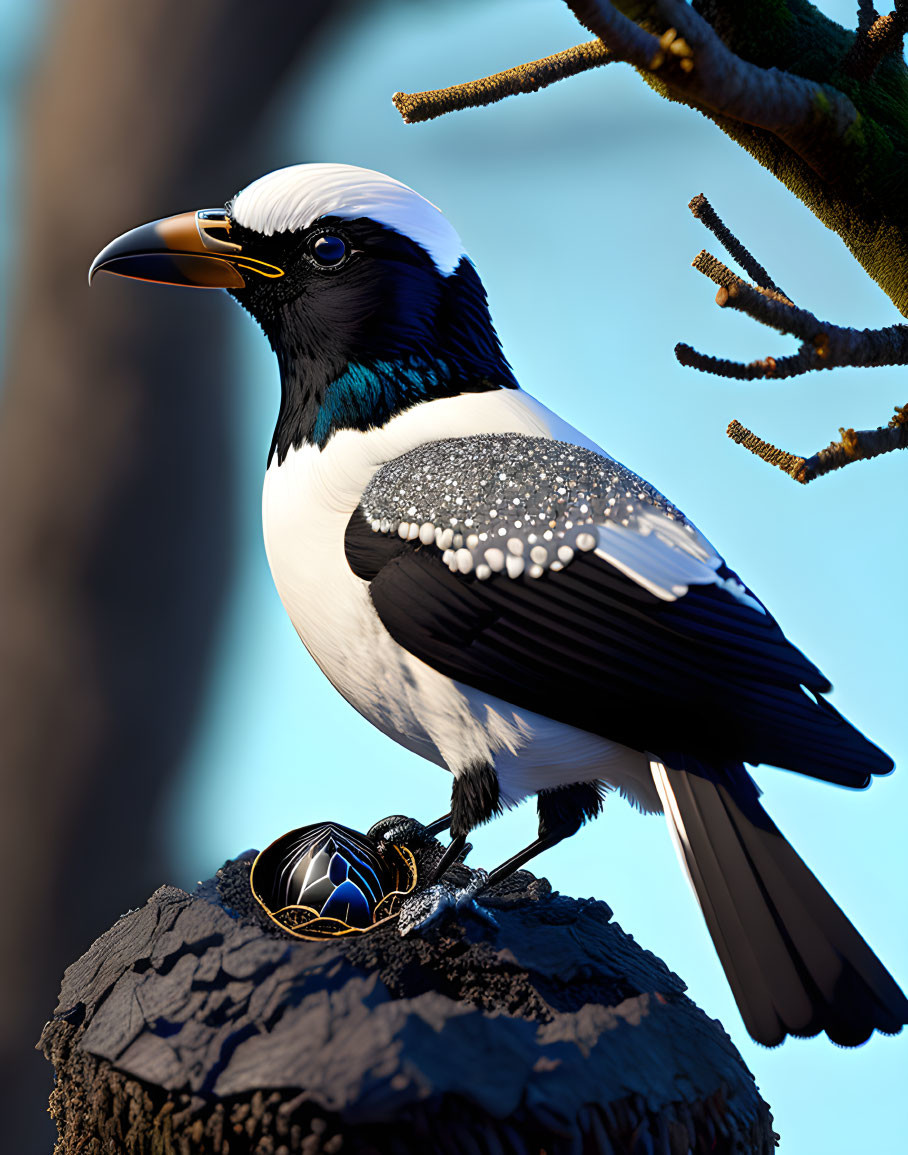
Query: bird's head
(360, 284)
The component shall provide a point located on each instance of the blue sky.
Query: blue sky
(572, 203)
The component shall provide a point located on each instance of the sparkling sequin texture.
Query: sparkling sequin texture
(507, 502)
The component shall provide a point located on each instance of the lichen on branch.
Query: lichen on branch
(877, 37)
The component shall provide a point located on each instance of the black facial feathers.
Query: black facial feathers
(363, 341)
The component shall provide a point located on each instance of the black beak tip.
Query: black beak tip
(107, 256)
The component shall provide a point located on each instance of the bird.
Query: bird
(495, 592)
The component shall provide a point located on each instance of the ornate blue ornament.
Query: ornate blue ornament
(326, 880)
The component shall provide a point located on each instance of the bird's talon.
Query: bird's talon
(425, 907)
(422, 909)
(479, 880)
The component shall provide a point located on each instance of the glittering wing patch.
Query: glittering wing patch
(513, 504)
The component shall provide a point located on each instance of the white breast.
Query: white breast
(307, 503)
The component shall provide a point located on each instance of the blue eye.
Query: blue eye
(328, 250)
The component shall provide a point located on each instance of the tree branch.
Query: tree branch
(812, 119)
(707, 215)
(779, 87)
(788, 462)
(877, 37)
(788, 91)
(418, 106)
(854, 445)
(823, 345)
(866, 14)
(691, 61)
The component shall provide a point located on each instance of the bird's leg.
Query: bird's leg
(456, 850)
(474, 799)
(561, 813)
(537, 846)
(439, 824)
(452, 854)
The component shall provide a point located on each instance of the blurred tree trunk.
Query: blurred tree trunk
(116, 478)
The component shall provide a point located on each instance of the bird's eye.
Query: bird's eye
(328, 250)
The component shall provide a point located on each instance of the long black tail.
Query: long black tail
(795, 963)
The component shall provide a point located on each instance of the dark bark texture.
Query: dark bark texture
(195, 1025)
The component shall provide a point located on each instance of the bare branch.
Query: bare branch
(775, 367)
(778, 313)
(418, 106)
(854, 445)
(692, 62)
(697, 68)
(704, 212)
(713, 268)
(877, 37)
(799, 121)
(722, 275)
(702, 54)
(823, 345)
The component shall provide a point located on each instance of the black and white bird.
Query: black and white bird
(498, 594)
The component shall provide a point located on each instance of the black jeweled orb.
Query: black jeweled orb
(326, 880)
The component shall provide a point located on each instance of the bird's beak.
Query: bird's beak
(189, 249)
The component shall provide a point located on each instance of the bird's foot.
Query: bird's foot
(406, 831)
(425, 907)
(400, 829)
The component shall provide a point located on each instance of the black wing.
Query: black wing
(704, 682)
